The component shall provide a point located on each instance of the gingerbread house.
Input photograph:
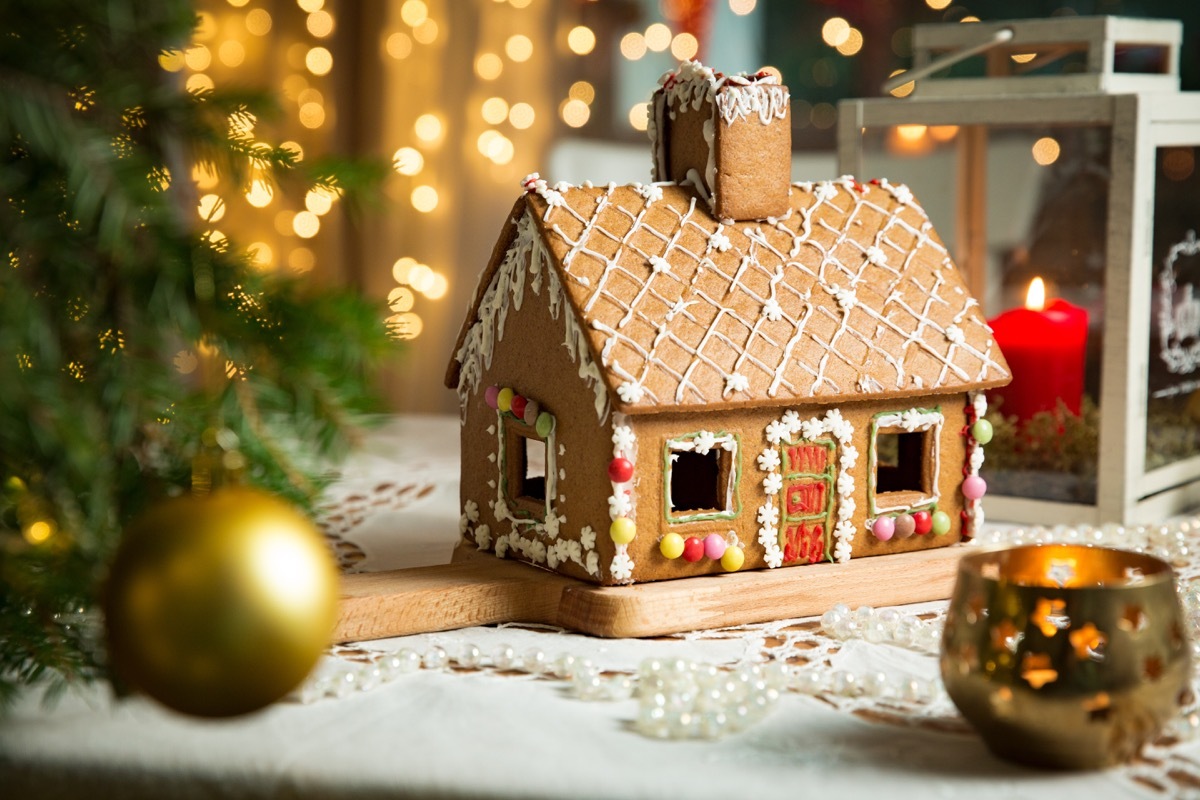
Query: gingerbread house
(720, 369)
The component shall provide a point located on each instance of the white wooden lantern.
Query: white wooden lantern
(1109, 208)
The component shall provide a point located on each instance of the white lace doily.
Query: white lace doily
(397, 506)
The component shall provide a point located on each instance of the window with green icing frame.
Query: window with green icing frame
(729, 475)
(828, 477)
(906, 500)
(514, 432)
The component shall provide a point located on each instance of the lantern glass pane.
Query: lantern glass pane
(1173, 391)
(1013, 204)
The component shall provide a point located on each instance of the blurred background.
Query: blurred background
(466, 97)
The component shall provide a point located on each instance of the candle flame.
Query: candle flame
(1035, 298)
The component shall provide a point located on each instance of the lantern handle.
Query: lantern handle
(948, 60)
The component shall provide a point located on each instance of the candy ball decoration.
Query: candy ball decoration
(714, 546)
(974, 487)
(923, 521)
(981, 431)
(220, 605)
(532, 411)
(905, 526)
(884, 528)
(620, 470)
(693, 549)
(622, 530)
(504, 399)
(671, 545)
(491, 395)
(517, 406)
(544, 424)
(733, 559)
(940, 523)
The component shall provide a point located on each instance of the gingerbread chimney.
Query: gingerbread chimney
(730, 136)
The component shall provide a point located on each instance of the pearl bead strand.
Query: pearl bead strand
(681, 699)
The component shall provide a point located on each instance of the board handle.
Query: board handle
(379, 605)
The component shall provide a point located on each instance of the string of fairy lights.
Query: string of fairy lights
(289, 44)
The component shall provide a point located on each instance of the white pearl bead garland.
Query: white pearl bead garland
(680, 699)
(1168, 542)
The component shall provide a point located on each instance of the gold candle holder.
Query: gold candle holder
(1065, 656)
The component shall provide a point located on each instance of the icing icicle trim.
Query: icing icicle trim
(526, 257)
(692, 83)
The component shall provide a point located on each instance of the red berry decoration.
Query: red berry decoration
(924, 522)
(693, 549)
(517, 406)
(620, 470)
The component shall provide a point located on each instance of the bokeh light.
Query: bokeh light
(685, 46)
(319, 61)
(658, 37)
(306, 224)
(428, 128)
(424, 198)
(494, 110)
(835, 31)
(408, 161)
(1046, 151)
(633, 46)
(575, 113)
(519, 47)
(521, 116)
(581, 40)
(489, 66)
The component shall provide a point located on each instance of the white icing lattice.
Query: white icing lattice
(735, 305)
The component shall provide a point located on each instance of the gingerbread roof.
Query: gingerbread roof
(848, 295)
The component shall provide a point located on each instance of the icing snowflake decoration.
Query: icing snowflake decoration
(623, 502)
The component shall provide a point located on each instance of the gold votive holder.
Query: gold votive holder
(1065, 656)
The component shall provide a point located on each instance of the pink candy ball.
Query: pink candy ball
(974, 487)
(491, 395)
(714, 546)
(884, 528)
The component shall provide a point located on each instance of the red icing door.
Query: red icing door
(807, 507)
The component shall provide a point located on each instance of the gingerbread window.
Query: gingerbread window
(904, 459)
(701, 476)
(525, 470)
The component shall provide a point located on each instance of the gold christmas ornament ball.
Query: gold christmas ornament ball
(220, 605)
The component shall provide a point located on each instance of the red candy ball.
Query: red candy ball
(693, 549)
(620, 470)
(518, 406)
(924, 522)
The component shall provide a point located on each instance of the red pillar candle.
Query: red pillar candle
(1045, 350)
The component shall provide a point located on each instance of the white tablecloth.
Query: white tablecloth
(456, 734)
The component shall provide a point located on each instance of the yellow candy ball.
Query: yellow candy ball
(671, 545)
(504, 399)
(733, 559)
(623, 530)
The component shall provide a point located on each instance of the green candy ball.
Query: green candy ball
(982, 431)
(941, 523)
(545, 424)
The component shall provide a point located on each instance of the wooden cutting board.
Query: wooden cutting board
(480, 589)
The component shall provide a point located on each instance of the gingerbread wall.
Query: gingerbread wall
(749, 427)
(531, 360)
